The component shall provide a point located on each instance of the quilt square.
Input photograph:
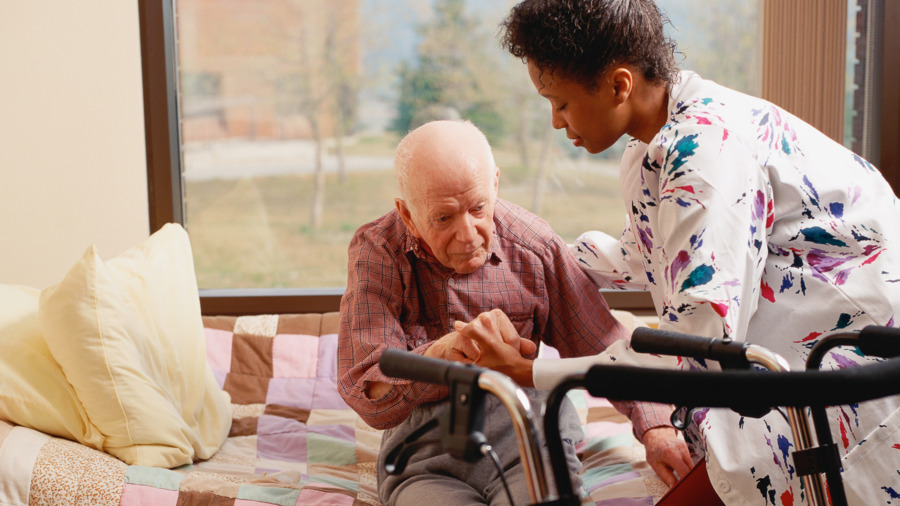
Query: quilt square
(599, 444)
(327, 356)
(281, 439)
(308, 324)
(606, 429)
(153, 477)
(246, 388)
(258, 325)
(333, 479)
(220, 378)
(620, 481)
(345, 416)
(264, 496)
(310, 496)
(218, 349)
(192, 498)
(331, 322)
(300, 415)
(295, 356)
(251, 355)
(293, 392)
(219, 322)
(326, 396)
(138, 495)
(344, 432)
(626, 501)
(332, 445)
(368, 443)
(243, 427)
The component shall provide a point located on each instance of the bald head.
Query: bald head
(441, 153)
(448, 186)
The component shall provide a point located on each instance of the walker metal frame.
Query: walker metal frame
(762, 391)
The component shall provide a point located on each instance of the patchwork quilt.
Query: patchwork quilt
(293, 441)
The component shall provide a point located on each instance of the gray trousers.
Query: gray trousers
(433, 477)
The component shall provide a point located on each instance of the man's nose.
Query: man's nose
(466, 231)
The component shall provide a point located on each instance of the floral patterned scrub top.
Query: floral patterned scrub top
(747, 222)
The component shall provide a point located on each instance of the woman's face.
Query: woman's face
(593, 119)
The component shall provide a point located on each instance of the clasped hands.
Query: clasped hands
(490, 341)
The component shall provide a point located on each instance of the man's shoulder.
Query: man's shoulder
(386, 231)
(518, 227)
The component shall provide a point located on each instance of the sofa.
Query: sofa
(115, 389)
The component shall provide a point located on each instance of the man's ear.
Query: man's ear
(622, 82)
(406, 216)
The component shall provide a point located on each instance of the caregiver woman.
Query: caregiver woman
(743, 222)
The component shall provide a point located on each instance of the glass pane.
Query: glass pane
(855, 88)
(290, 111)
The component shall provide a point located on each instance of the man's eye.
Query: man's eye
(560, 108)
(442, 219)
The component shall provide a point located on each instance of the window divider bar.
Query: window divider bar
(161, 130)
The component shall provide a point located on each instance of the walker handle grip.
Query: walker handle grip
(731, 354)
(398, 363)
(879, 341)
(747, 389)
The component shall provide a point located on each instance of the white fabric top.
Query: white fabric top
(748, 223)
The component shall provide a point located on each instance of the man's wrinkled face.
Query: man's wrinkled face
(453, 216)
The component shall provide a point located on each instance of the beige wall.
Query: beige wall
(72, 166)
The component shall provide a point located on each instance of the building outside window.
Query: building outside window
(290, 111)
(283, 116)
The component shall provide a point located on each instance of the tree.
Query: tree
(342, 76)
(720, 40)
(320, 81)
(453, 71)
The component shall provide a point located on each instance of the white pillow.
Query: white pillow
(34, 392)
(129, 337)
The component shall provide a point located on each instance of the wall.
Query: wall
(72, 159)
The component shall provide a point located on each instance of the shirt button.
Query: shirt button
(420, 342)
(723, 486)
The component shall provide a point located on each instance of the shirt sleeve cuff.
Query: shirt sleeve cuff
(649, 415)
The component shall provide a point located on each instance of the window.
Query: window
(271, 126)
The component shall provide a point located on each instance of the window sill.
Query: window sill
(321, 300)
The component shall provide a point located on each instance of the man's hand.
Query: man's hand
(501, 347)
(449, 347)
(667, 454)
(454, 347)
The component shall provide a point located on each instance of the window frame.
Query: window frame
(165, 190)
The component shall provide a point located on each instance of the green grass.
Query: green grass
(255, 233)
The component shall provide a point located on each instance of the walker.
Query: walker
(461, 422)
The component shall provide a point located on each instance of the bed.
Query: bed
(287, 437)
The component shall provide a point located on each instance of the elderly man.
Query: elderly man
(453, 252)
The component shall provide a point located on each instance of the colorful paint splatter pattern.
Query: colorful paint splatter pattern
(747, 223)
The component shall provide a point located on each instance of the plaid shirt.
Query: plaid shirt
(399, 296)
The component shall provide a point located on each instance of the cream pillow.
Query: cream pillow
(129, 338)
(33, 389)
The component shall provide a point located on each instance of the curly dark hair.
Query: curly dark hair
(583, 38)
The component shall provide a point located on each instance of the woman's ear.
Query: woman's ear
(622, 82)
